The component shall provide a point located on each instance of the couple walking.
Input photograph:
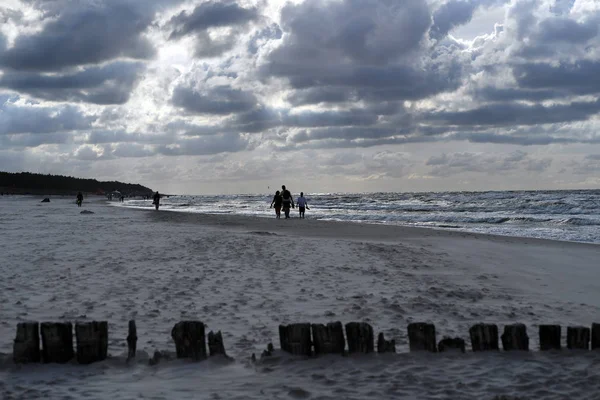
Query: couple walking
(285, 200)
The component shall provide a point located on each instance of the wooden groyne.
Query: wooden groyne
(301, 339)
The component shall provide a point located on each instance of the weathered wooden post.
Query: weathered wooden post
(550, 337)
(189, 340)
(26, 347)
(131, 340)
(484, 337)
(515, 337)
(328, 339)
(385, 346)
(92, 341)
(295, 339)
(578, 337)
(360, 337)
(595, 336)
(421, 336)
(451, 344)
(57, 342)
(215, 344)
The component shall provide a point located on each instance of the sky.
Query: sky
(240, 96)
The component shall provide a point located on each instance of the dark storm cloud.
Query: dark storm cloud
(359, 50)
(83, 33)
(17, 119)
(450, 15)
(219, 100)
(211, 14)
(557, 29)
(580, 77)
(108, 84)
(509, 114)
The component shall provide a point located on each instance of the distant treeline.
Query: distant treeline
(28, 183)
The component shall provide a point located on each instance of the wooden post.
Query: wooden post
(484, 337)
(385, 346)
(57, 342)
(131, 340)
(295, 339)
(92, 341)
(215, 344)
(595, 336)
(189, 340)
(550, 337)
(578, 337)
(26, 347)
(421, 336)
(328, 339)
(360, 337)
(515, 337)
(450, 344)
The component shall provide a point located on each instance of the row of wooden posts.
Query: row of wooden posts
(298, 339)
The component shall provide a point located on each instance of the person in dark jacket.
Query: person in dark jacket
(79, 199)
(277, 202)
(156, 199)
(287, 201)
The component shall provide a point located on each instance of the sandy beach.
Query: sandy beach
(245, 276)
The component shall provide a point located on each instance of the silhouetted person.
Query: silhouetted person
(287, 201)
(277, 201)
(302, 204)
(79, 199)
(156, 200)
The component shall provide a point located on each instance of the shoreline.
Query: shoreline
(330, 226)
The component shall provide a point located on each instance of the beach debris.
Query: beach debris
(421, 337)
(360, 337)
(215, 344)
(189, 340)
(26, 347)
(86, 212)
(484, 337)
(131, 340)
(92, 341)
(550, 337)
(46, 200)
(295, 339)
(158, 357)
(595, 336)
(451, 344)
(515, 338)
(385, 346)
(578, 337)
(57, 342)
(328, 339)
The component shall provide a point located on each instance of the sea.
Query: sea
(568, 215)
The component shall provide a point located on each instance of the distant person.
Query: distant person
(79, 199)
(156, 200)
(277, 202)
(122, 198)
(287, 201)
(302, 204)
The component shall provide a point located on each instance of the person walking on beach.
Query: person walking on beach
(277, 201)
(287, 201)
(302, 204)
(79, 199)
(156, 199)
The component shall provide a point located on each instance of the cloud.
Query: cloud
(83, 33)
(107, 84)
(18, 119)
(450, 15)
(219, 100)
(211, 14)
(208, 16)
(445, 165)
(359, 50)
